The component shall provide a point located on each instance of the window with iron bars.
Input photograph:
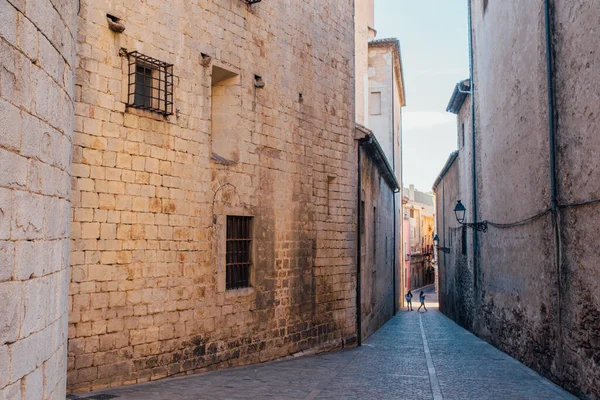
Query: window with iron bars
(239, 252)
(150, 84)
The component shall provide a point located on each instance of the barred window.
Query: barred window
(239, 252)
(150, 85)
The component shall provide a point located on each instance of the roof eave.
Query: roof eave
(375, 152)
(453, 156)
(459, 96)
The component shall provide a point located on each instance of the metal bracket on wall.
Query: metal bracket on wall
(478, 226)
(444, 249)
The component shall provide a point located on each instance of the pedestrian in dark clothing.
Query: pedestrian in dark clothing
(422, 300)
(408, 297)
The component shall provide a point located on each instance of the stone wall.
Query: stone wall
(379, 263)
(364, 21)
(536, 297)
(151, 194)
(37, 48)
(385, 117)
(577, 65)
(515, 300)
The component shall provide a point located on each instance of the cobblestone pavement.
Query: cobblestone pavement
(414, 356)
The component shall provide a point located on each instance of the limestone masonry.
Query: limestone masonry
(178, 190)
(37, 60)
(262, 127)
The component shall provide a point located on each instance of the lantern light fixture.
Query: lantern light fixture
(460, 212)
(436, 242)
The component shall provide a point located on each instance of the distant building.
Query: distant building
(419, 215)
(379, 100)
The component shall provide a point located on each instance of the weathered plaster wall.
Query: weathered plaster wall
(516, 282)
(456, 268)
(381, 80)
(455, 279)
(37, 59)
(541, 309)
(364, 20)
(148, 296)
(577, 67)
(377, 247)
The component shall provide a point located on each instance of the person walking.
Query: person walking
(422, 300)
(408, 297)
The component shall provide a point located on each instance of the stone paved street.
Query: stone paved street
(414, 356)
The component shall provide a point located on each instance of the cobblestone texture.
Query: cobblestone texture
(390, 365)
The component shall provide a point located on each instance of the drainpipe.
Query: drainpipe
(393, 193)
(548, 25)
(444, 232)
(394, 267)
(473, 153)
(358, 249)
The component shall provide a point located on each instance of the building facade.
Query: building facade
(183, 191)
(529, 284)
(213, 187)
(379, 100)
(419, 215)
(37, 64)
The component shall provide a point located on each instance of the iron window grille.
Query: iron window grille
(150, 84)
(239, 252)
(252, 1)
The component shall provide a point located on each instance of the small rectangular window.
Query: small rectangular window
(463, 136)
(375, 103)
(239, 252)
(150, 84)
(464, 240)
(143, 86)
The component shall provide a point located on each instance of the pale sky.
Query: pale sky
(434, 42)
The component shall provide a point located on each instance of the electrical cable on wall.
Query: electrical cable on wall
(537, 216)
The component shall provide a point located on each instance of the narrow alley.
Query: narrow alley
(414, 356)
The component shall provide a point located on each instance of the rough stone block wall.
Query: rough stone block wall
(151, 193)
(37, 59)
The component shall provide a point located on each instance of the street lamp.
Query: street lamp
(436, 242)
(460, 211)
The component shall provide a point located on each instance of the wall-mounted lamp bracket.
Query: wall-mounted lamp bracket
(478, 226)
(460, 212)
(446, 250)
